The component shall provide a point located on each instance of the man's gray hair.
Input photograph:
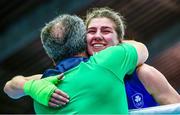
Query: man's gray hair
(63, 37)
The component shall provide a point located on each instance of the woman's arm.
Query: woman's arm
(157, 85)
(14, 87)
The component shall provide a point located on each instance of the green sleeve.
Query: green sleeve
(120, 59)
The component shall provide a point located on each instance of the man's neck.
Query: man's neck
(83, 54)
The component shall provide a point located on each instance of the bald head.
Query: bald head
(63, 37)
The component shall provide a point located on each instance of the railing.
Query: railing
(164, 109)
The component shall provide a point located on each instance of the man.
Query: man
(82, 83)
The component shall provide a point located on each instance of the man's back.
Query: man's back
(97, 86)
(93, 89)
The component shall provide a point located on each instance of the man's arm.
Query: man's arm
(14, 87)
(141, 49)
(157, 85)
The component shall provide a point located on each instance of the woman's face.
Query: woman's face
(101, 34)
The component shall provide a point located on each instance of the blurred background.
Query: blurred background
(156, 23)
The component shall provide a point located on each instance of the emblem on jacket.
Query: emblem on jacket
(138, 100)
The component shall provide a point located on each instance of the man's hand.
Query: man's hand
(45, 92)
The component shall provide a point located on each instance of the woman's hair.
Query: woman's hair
(110, 14)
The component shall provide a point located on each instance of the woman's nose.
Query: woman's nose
(98, 36)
